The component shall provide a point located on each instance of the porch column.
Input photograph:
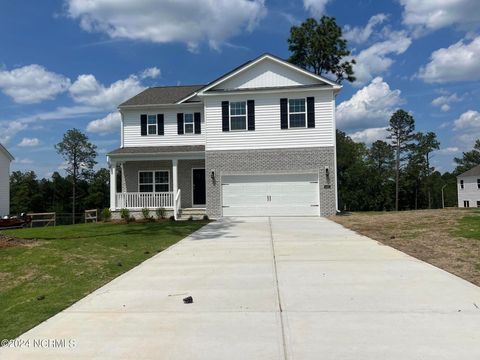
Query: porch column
(113, 185)
(174, 176)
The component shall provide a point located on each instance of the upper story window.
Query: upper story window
(461, 184)
(296, 113)
(188, 123)
(153, 181)
(238, 115)
(152, 124)
(478, 183)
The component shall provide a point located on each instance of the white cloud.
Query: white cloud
(106, 125)
(448, 151)
(360, 35)
(187, 21)
(444, 101)
(376, 59)
(32, 84)
(469, 120)
(87, 90)
(152, 73)
(29, 142)
(369, 136)
(315, 7)
(8, 129)
(369, 107)
(435, 14)
(458, 62)
(24, 161)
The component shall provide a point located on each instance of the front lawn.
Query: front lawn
(43, 277)
(447, 238)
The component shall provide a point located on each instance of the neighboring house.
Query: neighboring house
(258, 141)
(468, 185)
(5, 160)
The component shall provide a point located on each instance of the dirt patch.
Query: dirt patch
(425, 234)
(11, 241)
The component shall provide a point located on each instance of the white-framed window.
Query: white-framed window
(188, 123)
(461, 184)
(297, 115)
(466, 203)
(152, 124)
(153, 181)
(478, 183)
(238, 115)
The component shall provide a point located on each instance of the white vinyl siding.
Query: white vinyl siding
(267, 73)
(268, 133)
(4, 184)
(468, 190)
(131, 129)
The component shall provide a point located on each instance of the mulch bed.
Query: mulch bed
(11, 241)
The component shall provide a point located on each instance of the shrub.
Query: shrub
(106, 214)
(205, 217)
(172, 218)
(160, 213)
(125, 214)
(190, 218)
(146, 214)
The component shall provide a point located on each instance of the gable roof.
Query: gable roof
(250, 63)
(163, 95)
(6, 152)
(472, 172)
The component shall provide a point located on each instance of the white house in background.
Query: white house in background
(5, 160)
(468, 185)
(257, 141)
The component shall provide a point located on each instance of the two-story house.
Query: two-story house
(5, 159)
(468, 188)
(257, 141)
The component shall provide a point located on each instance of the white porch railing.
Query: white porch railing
(140, 200)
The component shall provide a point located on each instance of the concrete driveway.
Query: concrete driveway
(279, 288)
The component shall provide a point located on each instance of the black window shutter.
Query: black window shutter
(311, 112)
(197, 122)
(251, 114)
(160, 125)
(143, 125)
(225, 116)
(180, 123)
(284, 113)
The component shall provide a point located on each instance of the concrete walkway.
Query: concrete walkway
(279, 288)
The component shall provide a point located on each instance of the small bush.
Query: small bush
(146, 214)
(172, 218)
(205, 217)
(190, 218)
(106, 214)
(125, 214)
(160, 212)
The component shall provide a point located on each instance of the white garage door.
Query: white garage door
(270, 195)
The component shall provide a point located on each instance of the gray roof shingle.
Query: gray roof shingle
(162, 95)
(472, 172)
(149, 150)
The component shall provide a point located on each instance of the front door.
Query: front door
(198, 184)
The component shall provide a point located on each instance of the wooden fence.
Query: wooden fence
(91, 215)
(46, 218)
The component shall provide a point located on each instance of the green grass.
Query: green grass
(469, 226)
(69, 262)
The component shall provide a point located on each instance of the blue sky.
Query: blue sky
(69, 63)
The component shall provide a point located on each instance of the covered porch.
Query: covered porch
(168, 177)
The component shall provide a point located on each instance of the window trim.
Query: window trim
(148, 125)
(153, 171)
(193, 124)
(230, 116)
(303, 112)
